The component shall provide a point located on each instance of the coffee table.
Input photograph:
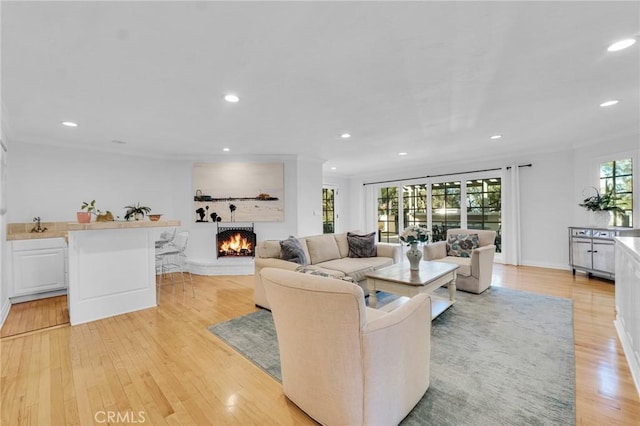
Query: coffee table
(399, 279)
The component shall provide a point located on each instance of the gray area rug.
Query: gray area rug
(503, 357)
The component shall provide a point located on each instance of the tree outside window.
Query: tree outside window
(484, 206)
(445, 208)
(388, 215)
(328, 210)
(617, 175)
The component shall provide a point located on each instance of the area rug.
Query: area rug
(504, 357)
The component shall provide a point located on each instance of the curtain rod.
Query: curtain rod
(445, 174)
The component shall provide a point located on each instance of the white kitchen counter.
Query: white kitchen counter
(112, 268)
(628, 302)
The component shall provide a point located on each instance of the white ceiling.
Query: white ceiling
(434, 79)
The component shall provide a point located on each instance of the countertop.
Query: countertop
(95, 226)
(22, 231)
(631, 245)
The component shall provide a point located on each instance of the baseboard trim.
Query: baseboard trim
(37, 296)
(222, 267)
(4, 312)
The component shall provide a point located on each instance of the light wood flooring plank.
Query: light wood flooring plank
(164, 363)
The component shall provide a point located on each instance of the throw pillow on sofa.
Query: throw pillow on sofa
(291, 250)
(362, 245)
(461, 245)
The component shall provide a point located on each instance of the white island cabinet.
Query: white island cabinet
(112, 268)
(628, 301)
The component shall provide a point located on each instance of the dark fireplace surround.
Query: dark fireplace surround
(235, 241)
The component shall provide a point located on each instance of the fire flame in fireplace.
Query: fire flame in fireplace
(236, 244)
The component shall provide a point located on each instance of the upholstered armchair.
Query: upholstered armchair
(475, 272)
(342, 362)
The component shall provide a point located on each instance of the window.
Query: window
(328, 212)
(484, 206)
(388, 215)
(617, 175)
(414, 205)
(445, 208)
(473, 202)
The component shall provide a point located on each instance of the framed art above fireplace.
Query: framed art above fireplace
(238, 192)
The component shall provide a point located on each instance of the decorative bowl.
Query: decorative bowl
(154, 217)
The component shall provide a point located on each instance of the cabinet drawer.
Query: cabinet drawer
(600, 233)
(38, 244)
(581, 232)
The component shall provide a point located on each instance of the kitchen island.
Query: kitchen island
(628, 301)
(112, 268)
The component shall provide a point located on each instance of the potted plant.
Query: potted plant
(86, 209)
(603, 205)
(136, 211)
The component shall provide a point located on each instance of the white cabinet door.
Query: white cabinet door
(603, 256)
(581, 252)
(38, 270)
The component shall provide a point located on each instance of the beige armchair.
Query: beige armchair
(475, 272)
(343, 363)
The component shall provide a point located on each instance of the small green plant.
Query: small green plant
(88, 207)
(136, 210)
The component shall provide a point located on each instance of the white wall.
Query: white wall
(52, 183)
(309, 201)
(5, 305)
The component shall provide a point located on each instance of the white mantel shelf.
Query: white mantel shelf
(112, 268)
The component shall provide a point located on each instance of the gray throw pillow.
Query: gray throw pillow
(362, 245)
(291, 250)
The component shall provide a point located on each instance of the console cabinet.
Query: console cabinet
(591, 249)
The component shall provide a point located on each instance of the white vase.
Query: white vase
(414, 254)
(601, 218)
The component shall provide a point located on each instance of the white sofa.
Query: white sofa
(343, 363)
(328, 254)
(475, 272)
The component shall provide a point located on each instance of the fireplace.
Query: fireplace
(236, 241)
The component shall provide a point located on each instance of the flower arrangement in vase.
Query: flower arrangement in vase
(412, 235)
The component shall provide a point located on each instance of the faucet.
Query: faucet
(38, 227)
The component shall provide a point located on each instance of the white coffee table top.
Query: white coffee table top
(400, 272)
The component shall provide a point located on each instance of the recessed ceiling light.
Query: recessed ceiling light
(609, 103)
(495, 137)
(226, 149)
(622, 44)
(333, 168)
(345, 136)
(231, 98)
(69, 124)
(403, 153)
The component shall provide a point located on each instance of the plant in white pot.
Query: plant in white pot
(136, 211)
(602, 206)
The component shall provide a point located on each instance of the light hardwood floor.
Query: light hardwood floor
(162, 366)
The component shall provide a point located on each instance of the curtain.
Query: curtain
(511, 248)
(370, 209)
